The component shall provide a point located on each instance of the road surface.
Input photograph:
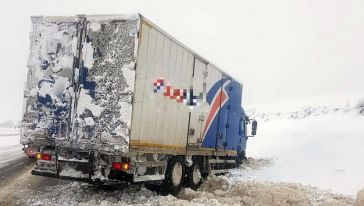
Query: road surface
(17, 183)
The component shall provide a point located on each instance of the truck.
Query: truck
(114, 98)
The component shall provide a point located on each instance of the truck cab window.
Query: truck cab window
(241, 126)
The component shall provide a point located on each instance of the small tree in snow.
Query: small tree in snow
(360, 106)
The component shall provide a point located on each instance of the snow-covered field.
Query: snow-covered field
(324, 151)
(320, 144)
(10, 147)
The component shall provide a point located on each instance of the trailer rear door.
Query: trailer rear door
(105, 88)
(48, 94)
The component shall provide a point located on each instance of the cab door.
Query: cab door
(223, 115)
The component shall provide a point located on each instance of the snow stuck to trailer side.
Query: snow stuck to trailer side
(104, 106)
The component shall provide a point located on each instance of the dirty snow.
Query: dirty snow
(222, 190)
(70, 172)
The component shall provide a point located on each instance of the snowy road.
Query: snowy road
(10, 148)
(17, 184)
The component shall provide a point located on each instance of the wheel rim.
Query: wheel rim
(177, 174)
(196, 175)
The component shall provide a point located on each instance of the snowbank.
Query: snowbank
(360, 198)
(222, 190)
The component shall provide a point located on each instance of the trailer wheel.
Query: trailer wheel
(194, 175)
(174, 177)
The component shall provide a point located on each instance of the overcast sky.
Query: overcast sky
(280, 49)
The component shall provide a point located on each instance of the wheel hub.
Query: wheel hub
(177, 174)
(196, 175)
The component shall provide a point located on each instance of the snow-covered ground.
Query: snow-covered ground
(233, 189)
(324, 151)
(320, 144)
(10, 148)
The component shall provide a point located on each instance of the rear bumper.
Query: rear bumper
(115, 179)
(43, 173)
(54, 175)
(80, 171)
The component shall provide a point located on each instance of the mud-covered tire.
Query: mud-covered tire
(238, 161)
(194, 175)
(174, 176)
(240, 158)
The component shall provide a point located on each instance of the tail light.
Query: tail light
(121, 165)
(29, 151)
(42, 156)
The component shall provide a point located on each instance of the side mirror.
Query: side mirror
(254, 127)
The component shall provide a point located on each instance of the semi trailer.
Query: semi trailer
(114, 98)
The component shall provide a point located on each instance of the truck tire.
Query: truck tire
(194, 175)
(240, 158)
(174, 176)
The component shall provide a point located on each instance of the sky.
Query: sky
(282, 49)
